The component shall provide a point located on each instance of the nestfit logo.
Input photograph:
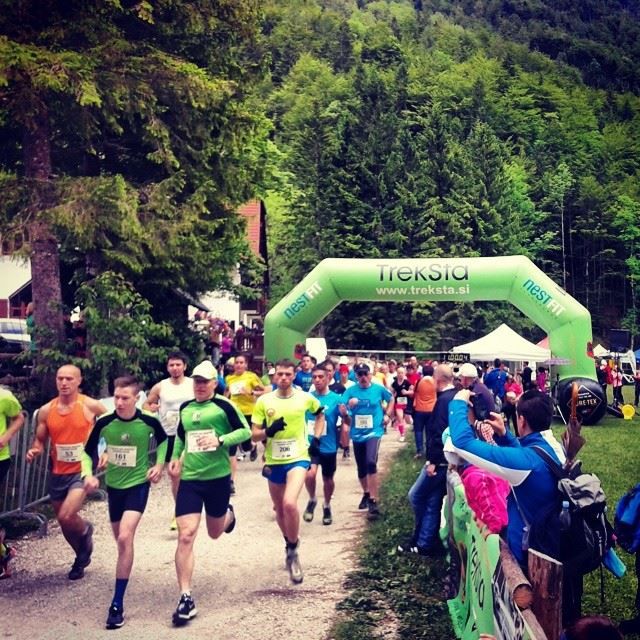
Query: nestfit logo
(435, 272)
(302, 301)
(543, 297)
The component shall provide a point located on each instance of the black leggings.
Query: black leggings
(366, 455)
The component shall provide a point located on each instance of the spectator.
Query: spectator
(424, 399)
(496, 378)
(533, 484)
(526, 375)
(429, 489)
(636, 380)
(541, 379)
(226, 346)
(616, 377)
(513, 391)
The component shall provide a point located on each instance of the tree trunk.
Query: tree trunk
(45, 258)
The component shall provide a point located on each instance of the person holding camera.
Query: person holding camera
(483, 402)
(428, 491)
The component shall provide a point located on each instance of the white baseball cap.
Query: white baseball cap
(343, 360)
(468, 370)
(205, 370)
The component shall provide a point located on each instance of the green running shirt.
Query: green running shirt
(201, 418)
(128, 447)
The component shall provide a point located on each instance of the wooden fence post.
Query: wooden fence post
(545, 575)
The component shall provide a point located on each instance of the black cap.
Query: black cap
(361, 368)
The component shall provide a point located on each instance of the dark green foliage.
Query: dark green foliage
(443, 138)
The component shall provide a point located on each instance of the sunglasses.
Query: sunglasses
(362, 374)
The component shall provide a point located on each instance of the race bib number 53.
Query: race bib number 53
(69, 452)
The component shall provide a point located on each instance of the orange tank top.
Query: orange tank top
(68, 434)
(424, 395)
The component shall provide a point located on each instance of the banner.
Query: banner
(483, 603)
(512, 278)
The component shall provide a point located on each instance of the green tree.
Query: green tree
(129, 133)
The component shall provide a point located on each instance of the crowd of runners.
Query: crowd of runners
(198, 427)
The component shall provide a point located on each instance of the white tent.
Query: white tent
(506, 344)
(600, 351)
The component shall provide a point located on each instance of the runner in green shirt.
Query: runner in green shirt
(279, 418)
(208, 427)
(127, 432)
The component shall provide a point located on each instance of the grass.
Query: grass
(392, 595)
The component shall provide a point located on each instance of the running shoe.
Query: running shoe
(374, 512)
(411, 548)
(115, 617)
(307, 516)
(233, 488)
(239, 456)
(294, 567)
(174, 524)
(364, 503)
(326, 515)
(232, 525)
(253, 456)
(346, 454)
(77, 570)
(185, 611)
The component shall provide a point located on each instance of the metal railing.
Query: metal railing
(26, 485)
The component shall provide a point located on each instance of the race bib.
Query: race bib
(69, 452)
(236, 389)
(192, 441)
(171, 419)
(364, 421)
(311, 428)
(123, 456)
(284, 449)
(402, 401)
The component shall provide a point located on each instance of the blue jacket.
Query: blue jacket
(513, 460)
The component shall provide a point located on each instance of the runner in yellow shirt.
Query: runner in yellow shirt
(243, 387)
(279, 418)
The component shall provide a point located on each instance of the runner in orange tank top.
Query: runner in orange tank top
(67, 421)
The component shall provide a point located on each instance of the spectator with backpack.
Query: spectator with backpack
(533, 484)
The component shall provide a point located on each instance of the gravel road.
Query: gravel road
(240, 585)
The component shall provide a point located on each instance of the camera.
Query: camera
(480, 408)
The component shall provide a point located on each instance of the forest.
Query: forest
(131, 131)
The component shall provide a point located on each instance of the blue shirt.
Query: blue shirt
(513, 459)
(367, 417)
(495, 380)
(330, 403)
(303, 380)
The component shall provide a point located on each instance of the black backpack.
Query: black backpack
(582, 547)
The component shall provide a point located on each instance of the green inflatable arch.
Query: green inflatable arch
(512, 278)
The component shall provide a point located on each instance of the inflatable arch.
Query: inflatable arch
(512, 278)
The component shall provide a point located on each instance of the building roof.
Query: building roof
(15, 273)
(251, 212)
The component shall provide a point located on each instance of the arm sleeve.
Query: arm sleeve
(178, 445)
(239, 429)
(90, 449)
(510, 463)
(161, 439)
